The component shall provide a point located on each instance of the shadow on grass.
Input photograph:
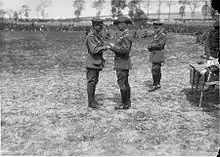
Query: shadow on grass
(148, 83)
(100, 96)
(210, 101)
(115, 99)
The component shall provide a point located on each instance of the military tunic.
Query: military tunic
(122, 50)
(122, 61)
(94, 61)
(212, 44)
(94, 44)
(157, 48)
(157, 55)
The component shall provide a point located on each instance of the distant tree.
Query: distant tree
(169, 3)
(147, 4)
(38, 9)
(135, 12)
(44, 4)
(79, 5)
(98, 5)
(206, 10)
(25, 10)
(117, 7)
(15, 15)
(193, 5)
(182, 9)
(139, 14)
(158, 11)
(132, 5)
(20, 12)
(2, 14)
(10, 13)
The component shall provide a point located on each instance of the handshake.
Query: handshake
(108, 46)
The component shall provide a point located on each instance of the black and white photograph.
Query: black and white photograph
(109, 77)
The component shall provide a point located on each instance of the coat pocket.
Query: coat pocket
(97, 62)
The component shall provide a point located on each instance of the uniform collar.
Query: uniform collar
(97, 34)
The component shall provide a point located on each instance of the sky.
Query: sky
(64, 8)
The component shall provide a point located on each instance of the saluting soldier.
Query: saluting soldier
(95, 61)
(122, 61)
(157, 54)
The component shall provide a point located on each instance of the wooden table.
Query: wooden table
(197, 78)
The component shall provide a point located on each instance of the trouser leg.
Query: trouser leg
(122, 80)
(159, 78)
(128, 90)
(96, 82)
(92, 76)
(156, 73)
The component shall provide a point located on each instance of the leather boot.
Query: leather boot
(90, 92)
(128, 100)
(123, 99)
(154, 79)
(155, 82)
(158, 78)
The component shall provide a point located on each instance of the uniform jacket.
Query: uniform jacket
(157, 48)
(122, 50)
(212, 44)
(94, 43)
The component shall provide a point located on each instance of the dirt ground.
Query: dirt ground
(44, 102)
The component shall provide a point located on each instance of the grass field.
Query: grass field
(44, 102)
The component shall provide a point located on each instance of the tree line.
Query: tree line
(117, 7)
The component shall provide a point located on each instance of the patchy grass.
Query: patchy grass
(44, 102)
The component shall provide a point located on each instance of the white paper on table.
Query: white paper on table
(213, 62)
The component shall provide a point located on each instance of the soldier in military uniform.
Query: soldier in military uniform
(122, 61)
(157, 54)
(95, 61)
(212, 42)
(212, 54)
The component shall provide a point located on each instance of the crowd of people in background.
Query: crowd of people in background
(196, 30)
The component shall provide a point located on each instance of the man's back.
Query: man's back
(212, 43)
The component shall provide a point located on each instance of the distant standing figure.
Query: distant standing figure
(95, 61)
(157, 54)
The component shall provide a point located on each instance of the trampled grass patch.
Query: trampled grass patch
(44, 102)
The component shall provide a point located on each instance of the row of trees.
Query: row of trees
(135, 10)
(24, 10)
(193, 5)
(117, 7)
